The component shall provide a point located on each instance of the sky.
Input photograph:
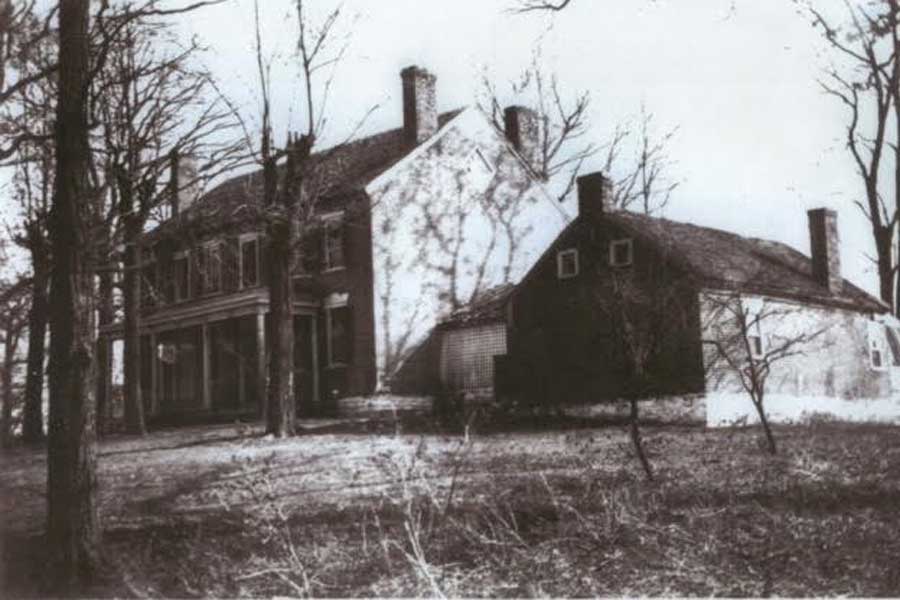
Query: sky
(758, 143)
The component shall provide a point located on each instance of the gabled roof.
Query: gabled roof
(723, 260)
(342, 169)
(487, 307)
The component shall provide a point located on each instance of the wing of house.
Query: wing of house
(408, 224)
(672, 276)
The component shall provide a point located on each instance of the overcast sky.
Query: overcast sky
(758, 143)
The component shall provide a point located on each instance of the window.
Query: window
(333, 250)
(181, 275)
(250, 262)
(337, 321)
(756, 345)
(875, 354)
(209, 262)
(567, 263)
(149, 294)
(620, 252)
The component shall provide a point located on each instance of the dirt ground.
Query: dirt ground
(342, 510)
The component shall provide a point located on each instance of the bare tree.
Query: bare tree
(290, 196)
(13, 319)
(866, 82)
(153, 106)
(73, 533)
(526, 6)
(561, 123)
(747, 337)
(28, 117)
(645, 182)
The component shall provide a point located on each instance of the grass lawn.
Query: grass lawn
(222, 511)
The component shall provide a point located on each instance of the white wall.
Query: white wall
(445, 195)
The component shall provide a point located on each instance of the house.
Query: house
(410, 224)
(612, 277)
(458, 357)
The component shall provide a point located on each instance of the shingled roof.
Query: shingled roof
(724, 260)
(487, 307)
(344, 169)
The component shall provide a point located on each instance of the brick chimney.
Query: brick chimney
(420, 117)
(825, 249)
(183, 184)
(595, 195)
(523, 130)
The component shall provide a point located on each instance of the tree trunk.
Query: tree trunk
(131, 297)
(884, 237)
(33, 417)
(770, 438)
(105, 316)
(635, 431)
(9, 355)
(281, 409)
(73, 532)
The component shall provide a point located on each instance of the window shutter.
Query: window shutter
(351, 324)
(230, 257)
(262, 249)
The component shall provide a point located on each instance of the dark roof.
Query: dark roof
(343, 169)
(487, 307)
(720, 259)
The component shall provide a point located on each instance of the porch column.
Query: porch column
(314, 344)
(154, 395)
(261, 363)
(207, 400)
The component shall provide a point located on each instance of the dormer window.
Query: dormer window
(567, 263)
(621, 252)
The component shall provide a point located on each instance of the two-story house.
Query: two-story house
(411, 223)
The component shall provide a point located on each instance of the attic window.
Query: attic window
(620, 252)
(567, 263)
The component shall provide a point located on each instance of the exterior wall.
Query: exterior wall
(831, 374)
(563, 344)
(354, 280)
(441, 224)
(352, 283)
(420, 371)
(467, 358)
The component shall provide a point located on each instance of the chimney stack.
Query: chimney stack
(595, 195)
(183, 184)
(825, 249)
(420, 117)
(523, 130)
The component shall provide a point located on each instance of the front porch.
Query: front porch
(207, 362)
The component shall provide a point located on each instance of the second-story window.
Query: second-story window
(567, 263)
(181, 276)
(149, 294)
(333, 245)
(249, 262)
(209, 261)
(620, 252)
